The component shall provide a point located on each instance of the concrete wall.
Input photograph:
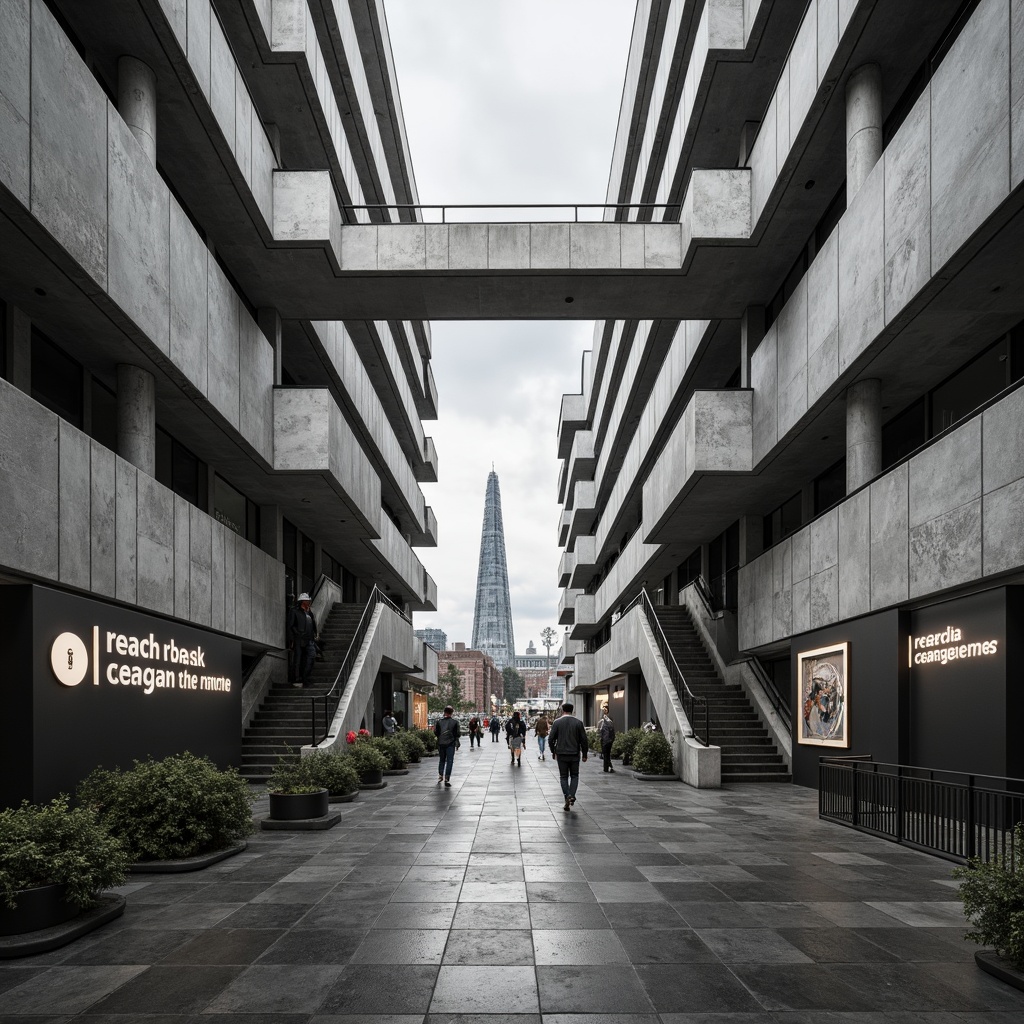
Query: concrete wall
(951, 515)
(395, 550)
(953, 161)
(76, 514)
(116, 229)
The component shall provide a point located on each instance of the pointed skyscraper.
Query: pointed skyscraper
(492, 616)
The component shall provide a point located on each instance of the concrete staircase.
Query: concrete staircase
(748, 753)
(282, 723)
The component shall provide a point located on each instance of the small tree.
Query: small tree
(449, 691)
(513, 684)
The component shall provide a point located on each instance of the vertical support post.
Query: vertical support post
(136, 417)
(863, 126)
(136, 102)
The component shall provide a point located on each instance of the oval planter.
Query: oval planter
(343, 798)
(999, 967)
(396, 771)
(42, 907)
(196, 863)
(372, 780)
(655, 778)
(298, 806)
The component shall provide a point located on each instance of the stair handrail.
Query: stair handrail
(377, 596)
(778, 700)
(703, 591)
(691, 701)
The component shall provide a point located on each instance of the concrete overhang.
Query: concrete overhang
(565, 567)
(567, 607)
(580, 464)
(426, 471)
(585, 564)
(571, 417)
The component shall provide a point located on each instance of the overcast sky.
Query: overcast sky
(505, 101)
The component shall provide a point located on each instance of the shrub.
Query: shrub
(364, 757)
(291, 777)
(625, 743)
(993, 899)
(177, 807)
(331, 771)
(49, 844)
(593, 741)
(393, 749)
(653, 755)
(429, 739)
(414, 747)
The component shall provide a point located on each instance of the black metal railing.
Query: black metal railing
(415, 211)
(951, 814)
(703, 591)
(694, 705)
(778, 699)
(332, 698)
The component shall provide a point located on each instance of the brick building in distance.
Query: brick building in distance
(480, 676)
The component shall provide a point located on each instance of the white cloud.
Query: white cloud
(505, 101)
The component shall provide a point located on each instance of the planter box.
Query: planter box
(655, 778)
(298, 806)
(343, 798)
(999, 967)
(42, 907)
(396, 771)
(371, 780)
(196, 863)
(107, 909)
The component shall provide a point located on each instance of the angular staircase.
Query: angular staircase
(748, 752)
(282, 724)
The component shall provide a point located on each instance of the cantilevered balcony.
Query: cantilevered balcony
(585, 560)
(567, 607)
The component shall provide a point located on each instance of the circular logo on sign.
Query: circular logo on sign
(69, 659)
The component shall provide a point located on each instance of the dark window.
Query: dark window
(904, 433)
(181, 470)
(56, 379)
(3, 341)
(235, 510)
(689, 569)
(104, 415)
(830, 487)
(971, 386)
(289, 541)
(792, 516)
(306, 580)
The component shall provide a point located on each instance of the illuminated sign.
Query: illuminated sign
(948, 645)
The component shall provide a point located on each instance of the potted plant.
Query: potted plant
(333, 772)
(54, 862)
(180, 807)
(415, 749)
(625, 743)
(369, 764)
(293, 795)
(394, 750)
(993, 898)
(429, 740)
(652, 757)
(593, 741)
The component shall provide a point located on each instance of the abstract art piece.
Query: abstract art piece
(823, 715)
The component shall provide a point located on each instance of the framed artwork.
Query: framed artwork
(823, 718)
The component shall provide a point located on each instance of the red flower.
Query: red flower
(351, 737)
(364, 734)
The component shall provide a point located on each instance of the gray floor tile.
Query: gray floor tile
(483, 990)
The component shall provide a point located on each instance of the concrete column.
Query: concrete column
(136, 101)
(863, 433)
(751, 335)
(863, 126)
(136, 417)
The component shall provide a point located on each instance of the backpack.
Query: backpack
(446, 731)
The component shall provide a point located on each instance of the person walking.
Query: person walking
(474, 731)
(568, 742)
(303, 640)
(495, 728)
(447, 732)
(389, 723)
(540, 729)
(606, 731)
(516, 733)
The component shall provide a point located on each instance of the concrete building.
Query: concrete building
(814, 440)
(183, 433)
(481, 677)
(437, 638)
(492, 611)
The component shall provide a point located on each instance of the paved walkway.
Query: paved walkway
(650, 902)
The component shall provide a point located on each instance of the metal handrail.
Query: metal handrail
(703, 589)
(691, 701)
(951, 814)
(779, 703)
(376, 597)
(575, 207)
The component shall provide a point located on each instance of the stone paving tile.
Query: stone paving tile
(488, 902)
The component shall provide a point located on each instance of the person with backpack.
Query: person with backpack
(515, 731)
(474, 731)
(568, 743)
(447, 732)
(495, 728)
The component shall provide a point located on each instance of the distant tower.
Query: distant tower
(492, 616)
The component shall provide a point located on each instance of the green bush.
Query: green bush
(625, 743)
(429, 739)
(291, 777)
(177, 807)
(993, 899)
(366, 758)
(593, 741)
(653, 755)
(49, 844)
(330, 770)
(414, 747)
(393, 749)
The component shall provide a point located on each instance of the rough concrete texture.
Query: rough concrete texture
(949, 516)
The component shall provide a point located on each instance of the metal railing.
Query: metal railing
(951, 814)
(332, 698)
(779, 701)
(371, 208)
(692, 703)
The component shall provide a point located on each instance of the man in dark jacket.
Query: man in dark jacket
(303, 631)
(447, 732)
(606, 732)
(568, 743)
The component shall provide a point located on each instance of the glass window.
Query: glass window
(308, 561)
(56, 379)
(830, 487)
(904, 433)
(104, 415)
(181, 470)
(792, 516)
(972, 386)
(3, 341)
(289, 541)
(229, 506)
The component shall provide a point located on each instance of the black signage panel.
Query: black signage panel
(109, 685)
